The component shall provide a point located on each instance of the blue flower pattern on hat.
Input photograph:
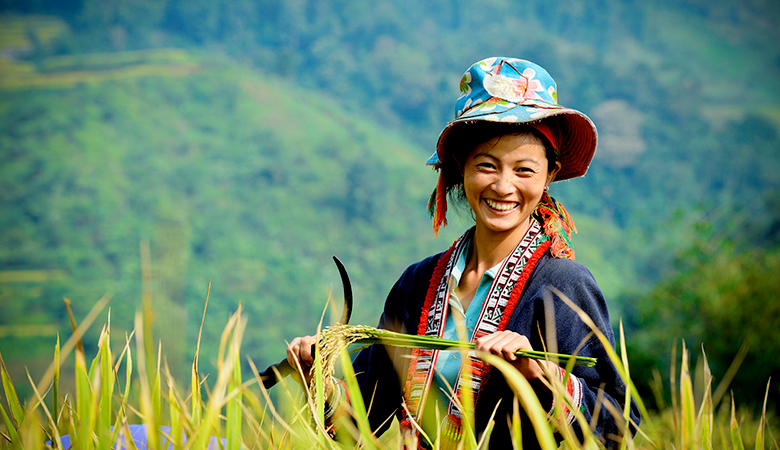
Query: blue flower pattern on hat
(500, 84)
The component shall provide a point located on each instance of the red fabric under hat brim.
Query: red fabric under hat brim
(577, 135)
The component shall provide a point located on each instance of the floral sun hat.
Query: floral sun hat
(519, 91)
(512, 90)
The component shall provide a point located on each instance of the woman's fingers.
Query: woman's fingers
(504, 344)
(299, 351)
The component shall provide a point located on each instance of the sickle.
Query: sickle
(276, 372)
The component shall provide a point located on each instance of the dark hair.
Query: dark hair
(469, 135)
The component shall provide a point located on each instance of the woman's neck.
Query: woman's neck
(489, 248)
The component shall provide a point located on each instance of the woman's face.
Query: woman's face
(504, 179)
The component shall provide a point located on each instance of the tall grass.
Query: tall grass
(133, 386)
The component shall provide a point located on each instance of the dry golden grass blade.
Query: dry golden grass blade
(736, 437)
(730, 373)
(48, 376)
(528, 399)
(267, 398)
(197, 400)
(79, 344)
(616, 361)
(57, 439)
(760, 432)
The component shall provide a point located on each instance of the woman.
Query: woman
(509, 141)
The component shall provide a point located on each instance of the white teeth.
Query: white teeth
(503, 206)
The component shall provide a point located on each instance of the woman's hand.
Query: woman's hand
(504, 344)
(299, 352)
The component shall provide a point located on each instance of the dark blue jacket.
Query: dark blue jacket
(382, 371)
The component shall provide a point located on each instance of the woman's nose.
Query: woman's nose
(503, 185)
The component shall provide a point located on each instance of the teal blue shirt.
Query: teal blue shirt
(449, 362)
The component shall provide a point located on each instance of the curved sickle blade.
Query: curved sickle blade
(347, 286)
(275, 372)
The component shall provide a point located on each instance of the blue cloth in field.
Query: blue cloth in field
(140, 437)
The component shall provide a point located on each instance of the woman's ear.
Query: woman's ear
(551, 175)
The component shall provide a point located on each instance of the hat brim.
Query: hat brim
(578, 135)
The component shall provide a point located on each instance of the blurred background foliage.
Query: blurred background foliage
(250, 140)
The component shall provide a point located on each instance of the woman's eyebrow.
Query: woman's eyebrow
(485, 155)
(528, 160)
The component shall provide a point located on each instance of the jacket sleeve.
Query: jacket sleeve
(601, 390)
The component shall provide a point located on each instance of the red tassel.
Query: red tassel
(440, 212)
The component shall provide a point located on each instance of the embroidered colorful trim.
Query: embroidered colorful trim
(435, 301)
(502, 299)
(573, 391)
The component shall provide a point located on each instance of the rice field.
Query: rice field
(126, 384)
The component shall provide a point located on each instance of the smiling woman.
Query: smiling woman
(496, 286)
(504, 179)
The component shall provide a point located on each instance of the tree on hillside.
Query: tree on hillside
(720, 300)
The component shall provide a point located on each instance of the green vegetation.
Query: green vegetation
(245, 143)
(123, 386)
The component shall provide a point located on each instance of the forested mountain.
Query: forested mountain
(248, 141)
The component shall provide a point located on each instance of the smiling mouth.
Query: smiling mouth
(501, 206)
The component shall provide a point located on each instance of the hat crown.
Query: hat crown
(506, 82)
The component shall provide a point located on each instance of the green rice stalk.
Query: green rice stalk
(673, 389)
(106, 388)
(704, 420)
(517, 433)
(157, 387)
(365, 335)
(627, 404)
(736, 437)
(148, 412)
(17, 412)
(687, 403)
(209, 425)
(234, 404)
(125, 355)
(357, 406)
(82, 433)
(55, 391)
(150, 383)
(16, 443)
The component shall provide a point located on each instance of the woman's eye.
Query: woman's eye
(524, 170)
(485, 165)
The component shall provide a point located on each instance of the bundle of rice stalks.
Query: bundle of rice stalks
(337, 337)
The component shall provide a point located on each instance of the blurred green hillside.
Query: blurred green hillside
(248, 142)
